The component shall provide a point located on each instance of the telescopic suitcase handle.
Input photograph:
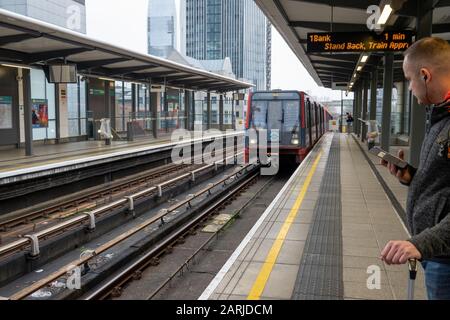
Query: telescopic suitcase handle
(413, 268)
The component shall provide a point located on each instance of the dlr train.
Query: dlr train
(300, 122)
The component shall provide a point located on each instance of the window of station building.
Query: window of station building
(128, 101)
(228, 112)
(169, 120)
(76, 108)
(182, 110)
(120, 122)
(198, 113)
(215, 112)
(43, 106)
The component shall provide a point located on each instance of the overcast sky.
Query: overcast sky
(124, 23)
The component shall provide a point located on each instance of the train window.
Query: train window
(291, 113)
(259, 115)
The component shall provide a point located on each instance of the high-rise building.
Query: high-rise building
(216, 29)
(163, 27)
(70, 14)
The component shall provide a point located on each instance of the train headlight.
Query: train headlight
(253, 141)
(295, 140)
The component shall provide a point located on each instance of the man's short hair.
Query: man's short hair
(430, 52)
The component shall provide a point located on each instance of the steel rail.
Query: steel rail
(163, 213)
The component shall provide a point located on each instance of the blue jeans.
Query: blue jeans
(437, 279)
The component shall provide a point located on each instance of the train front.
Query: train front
(274, 126)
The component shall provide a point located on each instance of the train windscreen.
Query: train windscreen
(277, 111)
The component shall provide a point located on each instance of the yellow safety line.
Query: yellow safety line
(264, 274)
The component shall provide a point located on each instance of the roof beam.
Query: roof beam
(13, 55)
(334, 76)
(228, 87)
(195, 82)
(163, 74)
(344, 65)
(99, 63)
(122, 71)
(346, 75)
(441, 28)
(325, 26)
(360, 4)
(17, 28)
(51, 55)
(443, 3)
(337, 57)
(16, 38)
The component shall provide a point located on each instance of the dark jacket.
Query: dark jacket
(429, 194)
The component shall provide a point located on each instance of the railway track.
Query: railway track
(83, 202)
(62, 272)
(114, 287)
(87, 200)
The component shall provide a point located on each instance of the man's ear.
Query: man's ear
(425, 74)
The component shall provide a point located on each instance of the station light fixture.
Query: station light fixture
(385, 15)
(107, 79)
(365, 58)
(359, 68)
(15, 66)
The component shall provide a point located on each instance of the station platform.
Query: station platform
(53, 159)
(322, 236)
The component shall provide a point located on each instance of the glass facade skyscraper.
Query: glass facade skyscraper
(216, 29)
(70, 14)
(162, 27)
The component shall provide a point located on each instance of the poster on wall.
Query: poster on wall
(6, 121)
(40, 113)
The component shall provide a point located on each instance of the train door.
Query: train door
(321, 122)
(274, 120)
(309, 123)
(316, 115)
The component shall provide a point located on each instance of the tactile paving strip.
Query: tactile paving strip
(321, 271)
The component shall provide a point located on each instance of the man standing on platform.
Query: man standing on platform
(427, 68)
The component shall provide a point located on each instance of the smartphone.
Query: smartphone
(388, 157)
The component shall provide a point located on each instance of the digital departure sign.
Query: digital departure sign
(359, 41)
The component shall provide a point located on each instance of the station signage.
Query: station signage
(359, 41)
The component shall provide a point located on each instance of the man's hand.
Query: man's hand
(400, 252)
(404, 175)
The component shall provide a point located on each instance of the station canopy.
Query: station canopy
(295, 19)
(29, 42)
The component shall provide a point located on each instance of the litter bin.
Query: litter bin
(105, 131)
(373, 133)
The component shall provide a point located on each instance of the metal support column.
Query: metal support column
(373, 94)
(221, 114)
(58, 112)
(133, 100)
(233, 110)
(388, 83)
(186, 109)
(108, 114)
(26, 74)
(154, 111)
(418, 112)
(341, 127)
(404, 98)
(359, 109)
(108, 100)
(208, 111)
(365, 108)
